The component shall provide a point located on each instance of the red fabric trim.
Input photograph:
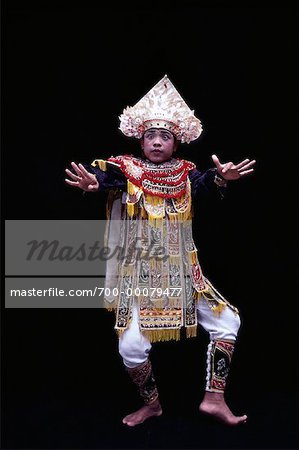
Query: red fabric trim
(152, 176)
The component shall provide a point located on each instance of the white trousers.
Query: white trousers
(134, 348)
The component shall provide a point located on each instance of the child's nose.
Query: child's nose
(157, 140)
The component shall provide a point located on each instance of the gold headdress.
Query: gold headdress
(161, 107)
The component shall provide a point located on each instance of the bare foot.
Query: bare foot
(214, 405)
(145, 412)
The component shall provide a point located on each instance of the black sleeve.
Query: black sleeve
(203, 183)
(112, 178)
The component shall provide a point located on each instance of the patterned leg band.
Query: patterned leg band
(143, 377)
(220, 353)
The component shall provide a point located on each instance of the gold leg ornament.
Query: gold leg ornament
(143, 377)
(219, 358)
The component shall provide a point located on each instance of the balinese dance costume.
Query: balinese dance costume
(161, 288)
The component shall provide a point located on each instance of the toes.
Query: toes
(130, 424)
(126, 420)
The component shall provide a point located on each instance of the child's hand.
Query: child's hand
(230, 171)
(82, 179)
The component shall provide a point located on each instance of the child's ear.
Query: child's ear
(175, 147)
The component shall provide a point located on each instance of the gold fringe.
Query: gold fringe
(119, 331)
(162, 335)
(197, 295)
(158, 222)
(151, 221)
(181, 216)
(144, 254)
(127, 270)
(101, 163)
(191, 331)
(192, 257)
(155, 221)
(156, 201)
(175, 260)
(152, 263)
(153, 200)
(174, 302)
(188, 216)
(131, 188)
(173, 217)
(131, 209)
(219, 308)
(158, 303)
(143, 213)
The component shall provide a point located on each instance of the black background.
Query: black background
(69, 68)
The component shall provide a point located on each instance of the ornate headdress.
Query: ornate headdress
(161, 107)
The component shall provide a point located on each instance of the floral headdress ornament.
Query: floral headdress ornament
(161, 107)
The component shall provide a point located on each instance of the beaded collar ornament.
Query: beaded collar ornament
(166, 180)
(161, 107)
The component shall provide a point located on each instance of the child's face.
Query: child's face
(158, 145)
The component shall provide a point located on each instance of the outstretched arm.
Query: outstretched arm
(82, 179)
(230, 171)
(215, 180)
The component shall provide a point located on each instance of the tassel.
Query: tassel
(192, 256)
(158, 303)
(175, 260)
(158, 222)
(143, 213)
(197, 296)
(101, 163)
(151, 221)
(131, 188)
(144, 254)
(150, 199)
(173, 217)
(130, 209)
(181, 216)
(162, 335)
(127, 270)
(110, 305)
(120, 331)
(191, 331)
(219, 308)
(184, 216)
(152, 264)
(155, 221)
(157, 201)
(174, 302)
(153, 200)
